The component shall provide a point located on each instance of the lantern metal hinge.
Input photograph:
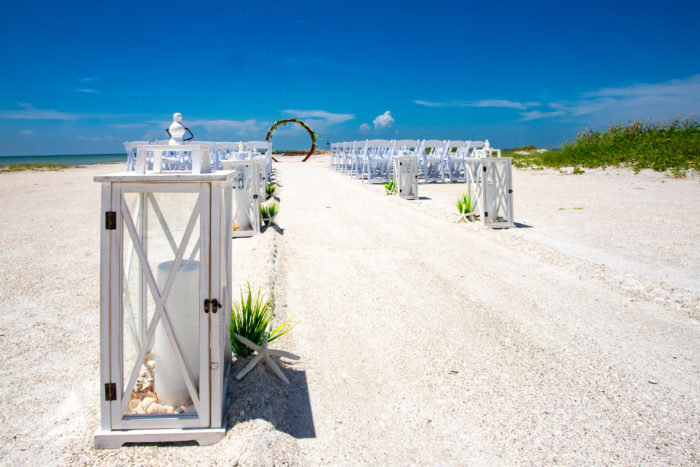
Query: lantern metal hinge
(110, 391)
(510, 191)
(486, 214)
(484, 168)
(110, 220)
(211, 305)
(255, 196)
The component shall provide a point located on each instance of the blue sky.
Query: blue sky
(83, 77)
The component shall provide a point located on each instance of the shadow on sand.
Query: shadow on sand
(260, 395)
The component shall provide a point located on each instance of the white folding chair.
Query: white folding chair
(378, 162)
(455, 154)
(432, 160)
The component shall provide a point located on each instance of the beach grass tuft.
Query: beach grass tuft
(38, 167)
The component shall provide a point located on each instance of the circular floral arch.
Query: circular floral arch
(284, 121)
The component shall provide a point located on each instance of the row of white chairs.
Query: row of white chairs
(438, 160)
(219, 151)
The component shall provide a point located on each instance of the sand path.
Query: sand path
(573, 338)
(430, 342)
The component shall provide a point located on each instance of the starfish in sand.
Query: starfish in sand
(465, 216)
(264, 355)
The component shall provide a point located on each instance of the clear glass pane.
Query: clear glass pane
(162, 364)
(242, 196)
(496, 192)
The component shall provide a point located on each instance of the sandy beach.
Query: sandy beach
(571, 339)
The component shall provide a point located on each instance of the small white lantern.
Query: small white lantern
(246, 196)
(165, 300)
(406, 176)
(490, 188)
(167, 157)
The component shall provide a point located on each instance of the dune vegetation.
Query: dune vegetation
(671, 146)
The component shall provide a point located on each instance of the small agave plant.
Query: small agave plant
(390, 187)
(250, 318)
(270, 189)
(267, 213)
(464, 204)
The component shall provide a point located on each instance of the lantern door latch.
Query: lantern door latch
(212, 305)
(110, 391)
(110, 220)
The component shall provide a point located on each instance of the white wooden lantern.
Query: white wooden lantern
(406, 176)
(490, 187)
(159, 158)
(246, 197)
(165, 300)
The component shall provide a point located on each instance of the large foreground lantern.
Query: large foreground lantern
(490, 188)
(165, 294)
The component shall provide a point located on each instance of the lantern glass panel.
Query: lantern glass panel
(243, 216)
(497, 185)
(161, 349)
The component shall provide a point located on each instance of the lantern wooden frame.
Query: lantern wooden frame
(212, 307)
(490, 188)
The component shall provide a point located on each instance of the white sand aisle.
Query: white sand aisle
(429, 342)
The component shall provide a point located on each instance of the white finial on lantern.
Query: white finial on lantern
(241, 147)
(487, 145)
(176, 130)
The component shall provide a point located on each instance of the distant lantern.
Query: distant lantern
(490, 187)
(406, 176)
(247, 194)
(165, 301)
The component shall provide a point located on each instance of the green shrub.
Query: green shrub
(270, 188)
(671, 146)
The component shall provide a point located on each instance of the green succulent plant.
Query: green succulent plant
(250, 318)
(390, 187)
(464, 203)
(269, 211)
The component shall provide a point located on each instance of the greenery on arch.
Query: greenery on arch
(303, 124)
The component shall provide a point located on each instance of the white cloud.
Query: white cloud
(87, 91)
(320, 116)
(365, 128)
(430, 104)
(26, 132)
(28, 112)
(536, 114)
(482, 103)
(384, 120)
(640, 101)
(238, 127)
(499, 103)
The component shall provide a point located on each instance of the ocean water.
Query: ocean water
(69, 160)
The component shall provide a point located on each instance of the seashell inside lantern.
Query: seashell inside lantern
(144, 400)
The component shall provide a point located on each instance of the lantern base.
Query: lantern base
(115, 439)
